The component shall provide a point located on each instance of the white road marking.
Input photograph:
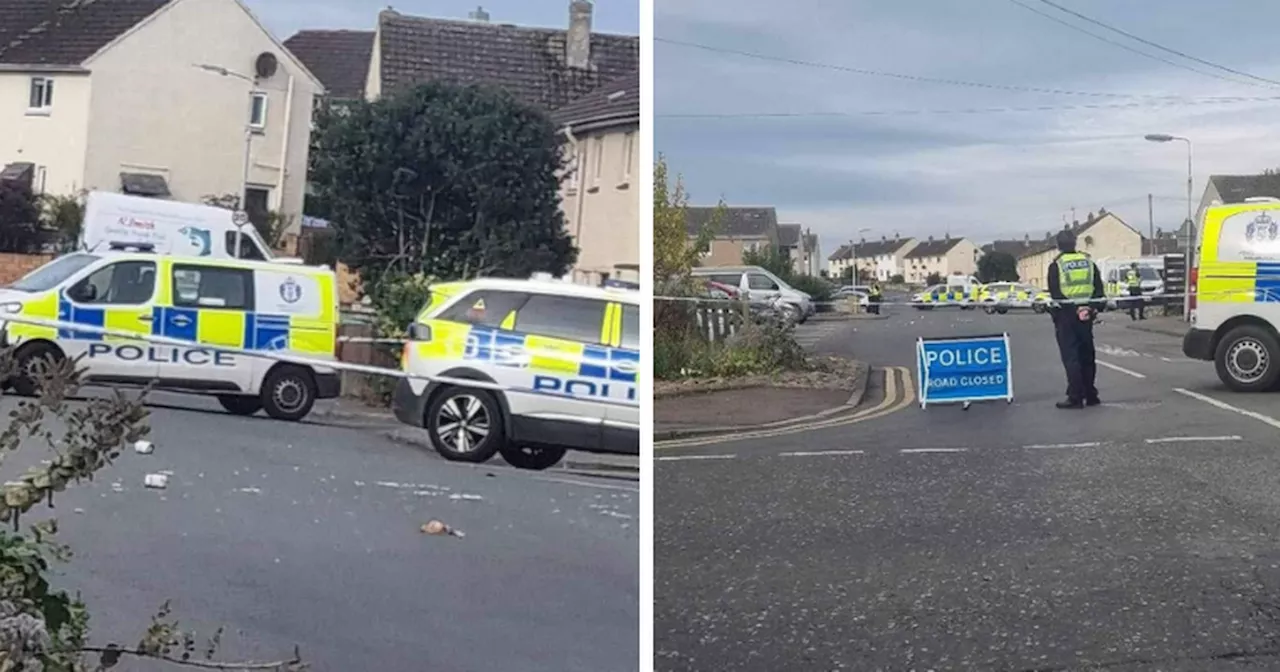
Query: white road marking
(1121, 369)
(1193, 439)
(1053, 446)
(819, 453)
(932, 450)
(674, 458)
(1228, 407)
(585, 484)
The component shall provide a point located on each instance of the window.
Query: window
(597, 163)
(210, 287)
(628, 155)
(41, 94)
(631, 327)
(484, 307)
(122, 283)
(758, 281)
(258, 110)
(731, 279)
(248, 247)
(566, 317)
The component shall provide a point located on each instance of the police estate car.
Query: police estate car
(567, 355)
(239, 305)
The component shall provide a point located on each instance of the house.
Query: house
(601, 197)
(1102, 235)
(1012, 247)
(178, 99)
(737, 231)
(945, 256)
(879, 259)
(801, 247)
(544, 67)
(1228, 189)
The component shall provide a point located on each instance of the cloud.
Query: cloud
(982, 175)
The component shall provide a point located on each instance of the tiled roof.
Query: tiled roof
(1236, 188)
(735, 223)
(1050, 241)
(789, 235)
(529, 63)
(867, 250)
(933, 248)
(614, 103)
(65, 32)
(1015, 247)
(338, 58)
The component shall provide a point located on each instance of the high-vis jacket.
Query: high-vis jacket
(1132, 279)
(1075, 276)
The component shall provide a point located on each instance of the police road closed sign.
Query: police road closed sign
(961, 370)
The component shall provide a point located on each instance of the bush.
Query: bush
(41, 627)
(756, 348)
(897, 279)
(819, 289)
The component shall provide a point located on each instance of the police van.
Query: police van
(238, 304)
(1235, 294)
(567, 356)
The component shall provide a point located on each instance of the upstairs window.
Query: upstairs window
(41, 95)
(258, 111)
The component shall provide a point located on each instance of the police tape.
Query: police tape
(1120, 300)
(551, 385)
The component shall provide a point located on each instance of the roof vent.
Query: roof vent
(479, 15)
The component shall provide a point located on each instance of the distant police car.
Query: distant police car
(568, 356)
(247, 305)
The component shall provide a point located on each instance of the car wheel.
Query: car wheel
(1037, 308)
(1246, 359)
(1002, 310)
(465, 424)
(537, 459)
(238, 404)
(288, 393)
(34, 362)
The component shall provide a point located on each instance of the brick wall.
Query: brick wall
(14, 266)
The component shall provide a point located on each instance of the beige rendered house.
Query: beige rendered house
(945, 256)
(159, 98)
(739, 230)
(1102, 236)
(600, 196)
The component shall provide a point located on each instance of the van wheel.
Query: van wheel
(1037, 308)
(465, 424)
(239, 404)
(1246, 359)
(288, 393)
(33, 362)
(537, 459)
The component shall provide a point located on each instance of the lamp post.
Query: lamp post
(853, 253)
(240, 220)
(1186, 290)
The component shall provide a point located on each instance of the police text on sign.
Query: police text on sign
(961, 370)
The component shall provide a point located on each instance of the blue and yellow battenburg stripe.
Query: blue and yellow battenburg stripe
(1238, 282)
(553, 356)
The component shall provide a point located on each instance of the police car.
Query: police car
(566, 355)
(207, 302)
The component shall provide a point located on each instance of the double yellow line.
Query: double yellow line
(897, 396)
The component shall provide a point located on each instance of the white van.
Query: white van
(168, 227)
(758, 284)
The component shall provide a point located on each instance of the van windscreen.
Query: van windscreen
(53, 273)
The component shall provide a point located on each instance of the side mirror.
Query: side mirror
(419, 332)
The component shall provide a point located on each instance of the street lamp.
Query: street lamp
(248, 145)
(1186, 290)
(853, 253)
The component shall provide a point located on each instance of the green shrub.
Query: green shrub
(819, 289)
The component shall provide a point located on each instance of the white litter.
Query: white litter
(469, 498)
(157, 481)
(143, 447)
(251, 490)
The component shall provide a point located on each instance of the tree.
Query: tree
(897, 279)
(996, 266)
(443, 181)
(770, 260)
(63, 218)
(935, 278)
(674, 255)
(20, 230)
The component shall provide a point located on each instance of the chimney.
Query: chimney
(578, 40)
(1026, 238)
(946, 236)
(931, 238)
(479, 15)
(884, 239)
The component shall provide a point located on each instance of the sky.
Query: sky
(848, 174)
(286, 17)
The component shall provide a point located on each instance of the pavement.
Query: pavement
(308, 534)
(1139, 535)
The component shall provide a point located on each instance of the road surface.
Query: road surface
(1138, 535)
(308, 534)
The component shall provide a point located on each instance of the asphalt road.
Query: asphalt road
(1139, 535)
(308, 534)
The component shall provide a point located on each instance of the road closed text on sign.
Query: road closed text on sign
(974, 368)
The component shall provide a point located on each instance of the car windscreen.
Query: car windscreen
(53, 273)
(1148, 273)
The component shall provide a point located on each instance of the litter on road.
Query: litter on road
(436, 527)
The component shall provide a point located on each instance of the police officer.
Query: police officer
(875, 299)
(1076, 287)
(1134, 282)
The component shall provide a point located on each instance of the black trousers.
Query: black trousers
(873, 304)
(1075, 344)
(1137, 307)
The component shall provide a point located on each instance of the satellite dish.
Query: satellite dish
(266, 64)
